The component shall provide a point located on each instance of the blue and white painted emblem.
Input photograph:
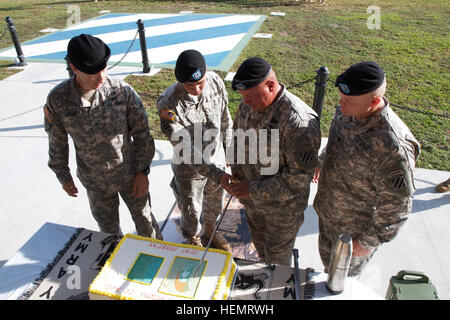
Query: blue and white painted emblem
(219, 38)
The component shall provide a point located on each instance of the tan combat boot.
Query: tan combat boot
(219, 241)
(443, 186)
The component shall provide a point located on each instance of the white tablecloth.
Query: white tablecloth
(353, 290)
(19, 272)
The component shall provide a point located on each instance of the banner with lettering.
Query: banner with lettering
(259, 281)
(74, 268)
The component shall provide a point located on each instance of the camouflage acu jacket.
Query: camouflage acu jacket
(367, 176)
(111, 136)
(181, 114)
(294, 157)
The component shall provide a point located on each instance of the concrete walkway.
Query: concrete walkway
(30, 194)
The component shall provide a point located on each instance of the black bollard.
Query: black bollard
(12, 31)
(319, 93)
(145, 62)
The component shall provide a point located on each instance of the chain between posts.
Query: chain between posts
(428, 113)
(299, 84)
(4, 32)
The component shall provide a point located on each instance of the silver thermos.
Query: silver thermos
(339, 264)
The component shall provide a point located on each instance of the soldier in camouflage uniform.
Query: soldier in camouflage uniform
(274, 201)
(102, 115)
(366, 181)
(198, 101)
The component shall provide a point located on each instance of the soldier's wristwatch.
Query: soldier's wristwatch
(146, 171)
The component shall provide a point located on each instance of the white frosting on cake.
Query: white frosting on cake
(145, 268)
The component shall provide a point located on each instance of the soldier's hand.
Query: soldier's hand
(240, 189)
(236, 176)
(225, 179)
(70, 188)
(140, 185)
(359, 250)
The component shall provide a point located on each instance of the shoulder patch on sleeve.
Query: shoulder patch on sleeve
(48, 115)
(397, 180)
(400, 181)
(167, 114)
(306, 157)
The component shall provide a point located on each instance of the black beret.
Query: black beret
(88, 54)
(251, 72)
(360, 78)
(190, 66)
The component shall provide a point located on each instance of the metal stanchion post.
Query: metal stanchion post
(12, 31)
(145, 63)
(319, 93)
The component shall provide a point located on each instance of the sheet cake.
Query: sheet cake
(145, 269)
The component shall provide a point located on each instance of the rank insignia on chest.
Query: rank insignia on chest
(167, 114)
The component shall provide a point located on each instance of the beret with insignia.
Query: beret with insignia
(190, 66)
(251, 72)
(88, 54)
(360, 78)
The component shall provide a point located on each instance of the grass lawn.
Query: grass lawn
(6, 70)
(412, 46)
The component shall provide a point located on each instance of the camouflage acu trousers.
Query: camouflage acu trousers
(105, 209)
(198, 200)
(273, 231)
(328, 235)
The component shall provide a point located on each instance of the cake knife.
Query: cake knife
(212, 237)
